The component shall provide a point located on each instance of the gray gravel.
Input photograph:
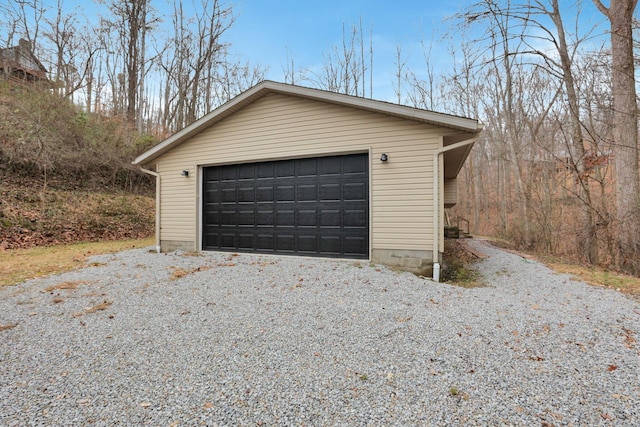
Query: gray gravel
(257, 340)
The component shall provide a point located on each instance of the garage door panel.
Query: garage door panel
(228, 218)
(246, 240)
(316, 206)
(212, 217)
(264, 194)
(355, 165)
(330, 218)
(228, 241)
(331, 245)
(354, 218)
(228, 195)
(228, 174)
(212, 195)
(211, 175)
(285, 218)
(307, 218)
(285, 169)
(307, 244)
(285, 193)
(354, 245)
(307, 193)
(306, 167)
(246, 172)
(246, 194)
(264, 242)
(330, 192)
(265, 170)
(328, 167)
(355, 192)
(285, 242)
(265, 218)
(246, 218)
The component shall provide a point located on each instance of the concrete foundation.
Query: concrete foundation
(177, 245)
(417, 262)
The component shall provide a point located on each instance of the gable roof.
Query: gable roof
(267, 87)
(22, 57)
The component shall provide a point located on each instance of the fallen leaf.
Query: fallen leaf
(612, 367)
(66, 285)
(629, 340)
(208, 405)
(606, 416)
(620, 396)
(7, 327)
(145, 404)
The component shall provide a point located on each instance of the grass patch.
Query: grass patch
(457, 265)
(457, 273)
(599, 277)
(18, 265)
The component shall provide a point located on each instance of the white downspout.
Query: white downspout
(436, 202)
(157, 175)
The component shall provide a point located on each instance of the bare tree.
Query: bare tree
(73, 51)
(291, 75)
(131, 20)
(521, 28)
(196, 70)
(400, 75)
(345, 68)
(625, 130)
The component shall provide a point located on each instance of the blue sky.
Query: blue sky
(266, 31)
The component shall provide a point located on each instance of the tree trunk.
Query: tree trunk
(587, 238)
(625, 132)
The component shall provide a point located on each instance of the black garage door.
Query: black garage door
(317, 206)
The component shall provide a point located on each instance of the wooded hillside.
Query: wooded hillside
(65, 175)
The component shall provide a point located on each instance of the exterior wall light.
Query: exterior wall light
(185, 173)
(384, 157)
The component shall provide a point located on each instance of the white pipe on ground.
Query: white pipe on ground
(157, 175)
(436, 202)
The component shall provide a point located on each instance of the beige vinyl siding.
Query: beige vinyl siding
(178, 204)
(450, 192)
(279, 127)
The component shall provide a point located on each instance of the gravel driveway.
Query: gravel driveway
(174, 339)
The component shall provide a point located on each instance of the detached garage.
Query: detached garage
(283, 169)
